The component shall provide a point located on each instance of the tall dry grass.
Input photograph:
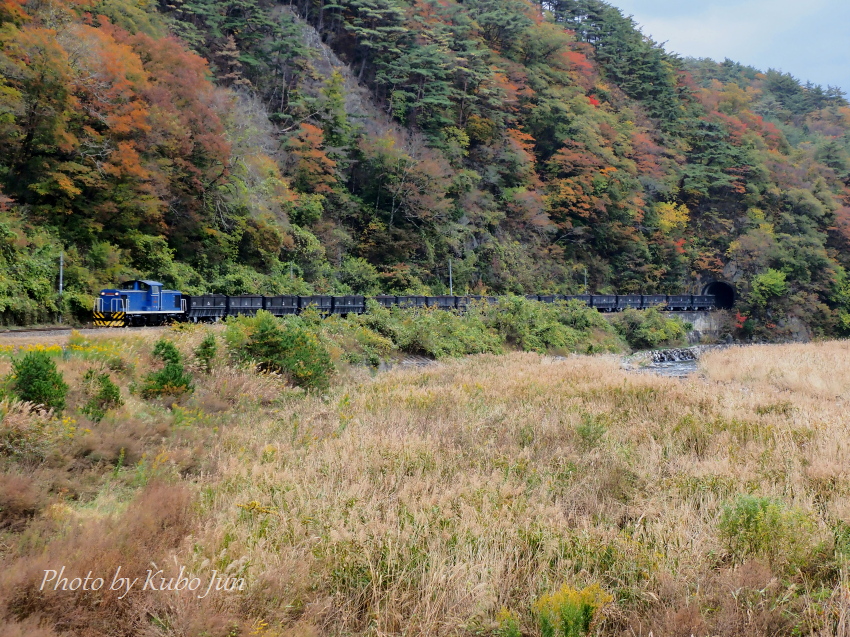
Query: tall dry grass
(816, 370)
(423, 502)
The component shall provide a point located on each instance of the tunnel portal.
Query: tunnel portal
(723, 292)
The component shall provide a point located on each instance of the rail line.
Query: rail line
(86, 329)
(36, 330)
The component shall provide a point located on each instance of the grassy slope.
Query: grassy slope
(421, 502)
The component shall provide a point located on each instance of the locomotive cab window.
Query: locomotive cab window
(136, 285)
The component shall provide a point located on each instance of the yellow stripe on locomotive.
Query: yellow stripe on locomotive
(110, 319)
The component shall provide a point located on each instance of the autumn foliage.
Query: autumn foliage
(255, 147)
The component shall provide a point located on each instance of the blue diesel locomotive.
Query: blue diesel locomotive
(138, 303)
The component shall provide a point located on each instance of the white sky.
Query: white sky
(809, 39)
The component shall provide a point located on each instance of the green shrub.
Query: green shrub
(288, 347)
(529, 325)
(542, 327)
(446, 334)
(569, 612)
(355, 343)
(485, 328)
(35, 379)
(104, 395)
(649, 329)
(167, 352)
(757, 526)
(392, 323)
(432, 332)
(206, 351)
(172, 379)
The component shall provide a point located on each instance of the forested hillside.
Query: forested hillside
(359, 145)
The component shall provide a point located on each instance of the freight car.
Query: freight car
(149, 303)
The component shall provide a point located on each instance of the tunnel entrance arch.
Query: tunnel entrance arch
(723, 292)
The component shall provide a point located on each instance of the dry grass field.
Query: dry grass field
(441, 501)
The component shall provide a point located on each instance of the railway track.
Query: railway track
(30, 330)
(60, 330)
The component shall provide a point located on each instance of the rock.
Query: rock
(673, 355)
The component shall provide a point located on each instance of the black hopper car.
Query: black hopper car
(147, 303)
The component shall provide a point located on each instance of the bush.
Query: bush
(542, 327)
(172, 379)
(288, 348)
(762, 527)
(104, 395)
(355, 343)
(167, 352)
(529, 325)
(485, 328)
(205, 352)
(649, 329)
(432, 332)
(569, 612)
(35, 379)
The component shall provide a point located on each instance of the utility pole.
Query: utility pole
(291, 277)
(451, 282)
(585, 280)
(61, 281)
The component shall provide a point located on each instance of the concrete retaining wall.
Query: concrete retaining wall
(707, 326)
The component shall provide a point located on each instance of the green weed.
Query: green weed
(205, 352)
(569, 612)
(508, 624)
(591, 429)
(758, 526)
(104, 395)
